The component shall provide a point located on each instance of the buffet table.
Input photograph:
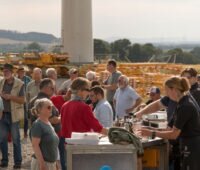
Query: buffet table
(156, 151)
(118, 157)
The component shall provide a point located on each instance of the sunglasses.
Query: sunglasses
(49, 107)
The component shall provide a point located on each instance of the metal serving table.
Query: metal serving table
(93, 157)
(118, 157)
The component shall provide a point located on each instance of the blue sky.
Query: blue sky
(148, 19)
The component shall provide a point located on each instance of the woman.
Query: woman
(186, 123)
(43, 137)
(58, 101)
(76, 115)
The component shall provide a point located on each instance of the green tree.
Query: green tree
(147, 51)
(121, 47)
(188, 58)
(101, 48)
(56, 49)
(34, 47)
(196, 52)
(184, 57)
(135, 52)
(142, 53)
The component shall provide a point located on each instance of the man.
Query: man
(47, 88)
(165, 102)
(46, 91)
(191, 75)
(154, 94)
(90, 75)
(103, 110)
(52, 74)
(111, 83)
(33, 87)
(73, 73)
(126, 98)
(12, 93)
(21, 74)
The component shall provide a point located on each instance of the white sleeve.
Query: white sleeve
(116, 93)
(133, 94)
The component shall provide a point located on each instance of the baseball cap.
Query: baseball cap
(73, 71)
(154, 90)
(8, 67)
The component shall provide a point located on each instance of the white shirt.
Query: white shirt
(65, 85)
(104, 113)
(125, 99)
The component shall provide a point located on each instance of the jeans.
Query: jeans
(62, 152)
(25, 120)
(7, 126)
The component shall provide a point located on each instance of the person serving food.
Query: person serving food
(185, 122)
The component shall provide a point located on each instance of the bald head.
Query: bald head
(37, 74)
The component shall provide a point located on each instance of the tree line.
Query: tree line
(124, 50)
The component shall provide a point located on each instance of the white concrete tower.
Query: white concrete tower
(77, 37)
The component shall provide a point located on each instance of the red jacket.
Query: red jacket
(76, 116)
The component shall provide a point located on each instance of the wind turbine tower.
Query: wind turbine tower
(76, 31)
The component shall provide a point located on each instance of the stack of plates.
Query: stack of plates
(83, 139)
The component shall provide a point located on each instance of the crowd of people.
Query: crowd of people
(51, 112)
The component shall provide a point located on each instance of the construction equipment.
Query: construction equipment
(43, 59)
(47, 60)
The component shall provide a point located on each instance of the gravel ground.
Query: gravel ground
(26, 155)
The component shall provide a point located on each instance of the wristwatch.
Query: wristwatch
(153, 135)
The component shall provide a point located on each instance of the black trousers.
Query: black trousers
(190, 153)
(174, 155)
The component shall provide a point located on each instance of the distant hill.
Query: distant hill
(28, 37)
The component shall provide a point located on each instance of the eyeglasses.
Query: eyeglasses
(120, 81)
(86, 89)
(75, 72)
